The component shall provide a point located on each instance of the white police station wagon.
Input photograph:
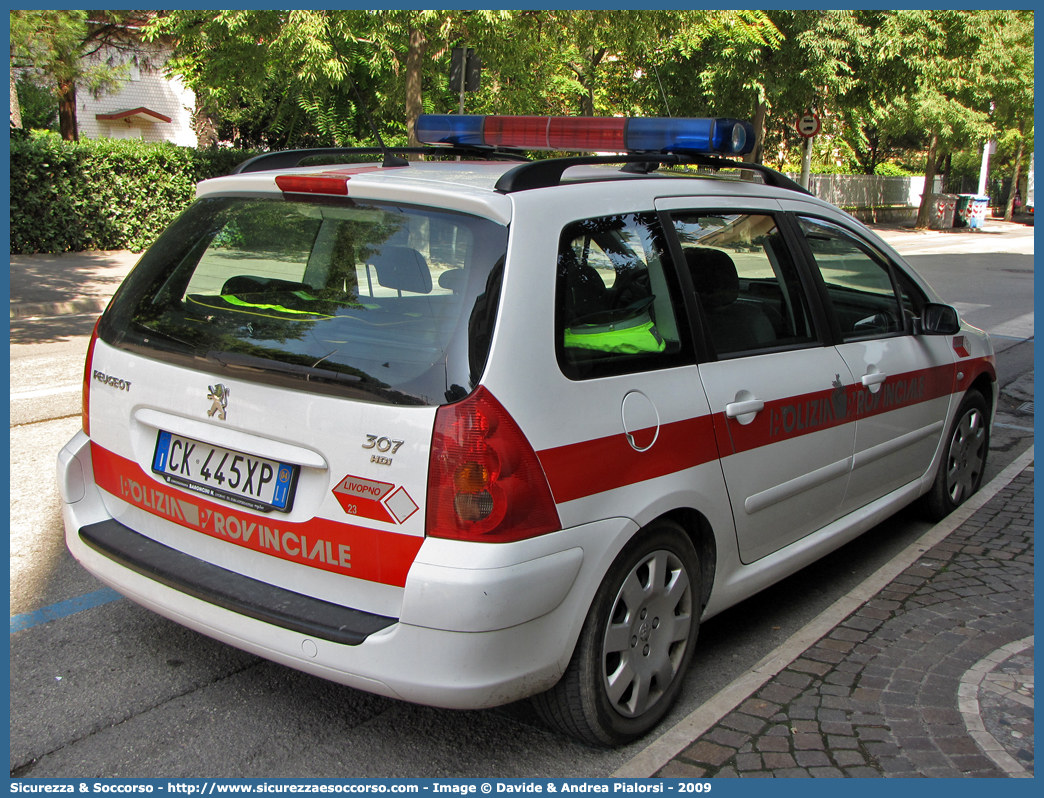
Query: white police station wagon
(462, 432)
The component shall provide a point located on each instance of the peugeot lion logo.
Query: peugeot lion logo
(219, 396)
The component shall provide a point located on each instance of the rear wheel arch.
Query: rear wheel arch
(701, 533)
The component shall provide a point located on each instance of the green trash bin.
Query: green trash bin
(962, 213)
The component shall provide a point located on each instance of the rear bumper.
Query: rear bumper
(494, 650)
(232, 591)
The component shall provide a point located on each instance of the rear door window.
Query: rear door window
(369, 299)
(617, 300)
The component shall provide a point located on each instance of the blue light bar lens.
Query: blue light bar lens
(733, 136)
(670, 135)
(450, 129)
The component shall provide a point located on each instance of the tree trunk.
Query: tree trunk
(67, 112)
(16, 109)
(414, 98)
(586, 79)
(205, 128)
(1009, 209)
(757, 155)
(924, 211)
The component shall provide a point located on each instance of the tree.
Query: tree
(1009, 76)
(284, 78)
(269, 77)
(37, 107)
(65, 50)
(927, 76)
(280, 77)
(800, 61)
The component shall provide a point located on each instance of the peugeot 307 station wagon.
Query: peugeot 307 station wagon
(472, 430)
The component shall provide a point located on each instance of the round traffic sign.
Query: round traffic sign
(808, 125)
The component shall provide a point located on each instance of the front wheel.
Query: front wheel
(964, 460)
(636, 643)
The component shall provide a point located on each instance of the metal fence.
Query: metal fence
(869, 191)
(998, 188)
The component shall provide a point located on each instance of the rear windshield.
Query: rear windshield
(380, 302)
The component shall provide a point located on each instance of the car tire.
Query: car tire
(964, 458)
(635, 645)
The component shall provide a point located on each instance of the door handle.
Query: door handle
(734, 409)
(873, 380)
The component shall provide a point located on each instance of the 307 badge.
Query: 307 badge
(382, 445)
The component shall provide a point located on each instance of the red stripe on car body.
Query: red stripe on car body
(585, 468)
(588, 467)
(794, 416)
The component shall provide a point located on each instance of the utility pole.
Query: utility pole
(806, 164)
(987, 149)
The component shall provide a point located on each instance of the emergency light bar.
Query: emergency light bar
(589, 134)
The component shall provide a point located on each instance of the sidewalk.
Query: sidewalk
(73, 282)
(904, 233)
(925, 670)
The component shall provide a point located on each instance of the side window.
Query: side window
(748, 286)
(615, 299)
(859, 282)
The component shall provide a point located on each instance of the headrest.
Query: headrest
(453, 280)
(401, 268)
(713, 275)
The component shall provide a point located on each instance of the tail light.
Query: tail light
(85, 401)
(485, 482)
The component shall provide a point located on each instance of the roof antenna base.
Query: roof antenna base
(641, 168)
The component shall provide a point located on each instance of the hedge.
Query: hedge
(102, 193)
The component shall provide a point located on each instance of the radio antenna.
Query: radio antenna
(390, 159)
(662, 92)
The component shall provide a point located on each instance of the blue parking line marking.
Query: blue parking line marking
(62, 608)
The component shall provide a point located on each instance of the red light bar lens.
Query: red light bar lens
(515, 131)
(588, 133)
(554, 132)
(314, 184)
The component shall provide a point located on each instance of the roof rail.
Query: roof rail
(543, 174)
(288, 159)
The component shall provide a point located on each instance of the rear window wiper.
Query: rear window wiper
(234, 360)
(147, 333)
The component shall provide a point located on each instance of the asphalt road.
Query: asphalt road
(117, 691)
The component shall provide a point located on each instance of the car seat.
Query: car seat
(735, 325)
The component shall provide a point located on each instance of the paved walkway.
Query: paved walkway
(69, 283)
(928, 673)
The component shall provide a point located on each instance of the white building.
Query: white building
(148, 105)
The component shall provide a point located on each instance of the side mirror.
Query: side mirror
(937, 319)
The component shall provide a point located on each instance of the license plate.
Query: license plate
(243, 479)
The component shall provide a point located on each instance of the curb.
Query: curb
(689, 729)
(968, 704)
(30, 310)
